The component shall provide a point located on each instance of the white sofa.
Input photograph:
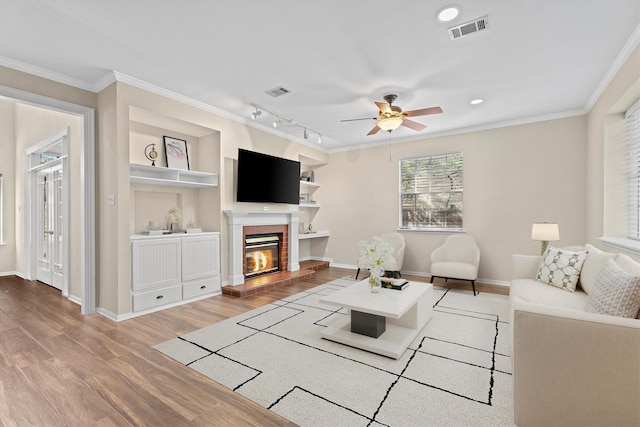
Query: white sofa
(572, 367)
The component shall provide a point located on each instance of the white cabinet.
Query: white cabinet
(173, 268)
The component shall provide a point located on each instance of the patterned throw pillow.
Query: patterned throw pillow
(615, 292)
(561, 268)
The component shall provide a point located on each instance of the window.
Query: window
(633, 137)
(431, 192)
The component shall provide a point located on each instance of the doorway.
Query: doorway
(85, 226)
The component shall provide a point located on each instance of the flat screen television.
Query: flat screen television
(267, 179)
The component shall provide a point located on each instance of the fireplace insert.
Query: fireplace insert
(262, 252)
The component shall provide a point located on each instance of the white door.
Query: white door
(49, 228)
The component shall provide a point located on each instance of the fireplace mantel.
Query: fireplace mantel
(239, 219)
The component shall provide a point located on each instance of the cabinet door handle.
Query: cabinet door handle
(160, 297)
(203, 287)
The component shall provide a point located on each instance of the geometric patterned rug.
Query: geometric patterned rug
(456, 372)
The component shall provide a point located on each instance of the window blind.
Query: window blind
(632, 117)
(431, 190)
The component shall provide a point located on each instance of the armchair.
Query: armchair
(458, 258)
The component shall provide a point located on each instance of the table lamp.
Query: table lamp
(545, 232)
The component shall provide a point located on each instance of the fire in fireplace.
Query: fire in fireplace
(262, 253)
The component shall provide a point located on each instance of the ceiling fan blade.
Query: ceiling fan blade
(413, 125)
(374, 130)
(353, 120)
(383, 107)
(423, 112)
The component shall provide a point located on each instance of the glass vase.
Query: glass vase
(375, 284)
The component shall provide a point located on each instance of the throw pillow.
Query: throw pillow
(561, 268)
(591, 267)
(616, 292)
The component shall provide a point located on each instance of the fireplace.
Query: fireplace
(262, 254)
(242, 223)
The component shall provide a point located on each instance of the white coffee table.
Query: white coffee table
(404, 313)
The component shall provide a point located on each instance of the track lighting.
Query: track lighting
(279, 119)
(256, 113)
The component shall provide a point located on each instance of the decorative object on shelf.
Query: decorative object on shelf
(307, 176)
(373, 255)
(545, 232)
(304, 198)
(175, 151)
(153, 225)
(151, 153)
(173, 219)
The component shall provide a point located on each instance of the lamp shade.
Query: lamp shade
(545, 231)
(390, 123)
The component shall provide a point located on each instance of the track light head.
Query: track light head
(319, 139)
(306, 134)
(276, 123)
(255, 114)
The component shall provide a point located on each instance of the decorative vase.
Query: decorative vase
(375, 284)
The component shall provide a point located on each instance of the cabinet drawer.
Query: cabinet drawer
(201, 287)
(155, 298)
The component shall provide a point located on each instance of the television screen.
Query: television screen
(267, 179)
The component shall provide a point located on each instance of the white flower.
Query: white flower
(373, 255)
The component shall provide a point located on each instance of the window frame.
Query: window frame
(427, 158)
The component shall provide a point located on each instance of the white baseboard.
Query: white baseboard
(12, 273)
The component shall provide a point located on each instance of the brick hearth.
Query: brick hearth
(267, 282)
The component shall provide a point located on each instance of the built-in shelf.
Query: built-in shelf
(309, 205)
(158, 175)
(309, 184)
(314, 235)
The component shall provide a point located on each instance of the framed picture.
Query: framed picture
(175, 151)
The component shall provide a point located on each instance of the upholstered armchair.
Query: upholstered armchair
(394, 265)
(458, 258)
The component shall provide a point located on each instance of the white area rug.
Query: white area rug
(456, 372)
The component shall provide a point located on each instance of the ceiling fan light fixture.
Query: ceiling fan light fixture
(390, 123)
(448, 13)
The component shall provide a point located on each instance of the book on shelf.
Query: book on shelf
(391, 283)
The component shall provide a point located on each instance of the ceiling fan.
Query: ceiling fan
(390, 117)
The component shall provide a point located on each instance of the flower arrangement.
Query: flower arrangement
(373, 255)
(173, 217)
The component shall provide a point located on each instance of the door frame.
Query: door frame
(87, 185)
(31, 201)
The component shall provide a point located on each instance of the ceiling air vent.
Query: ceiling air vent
(467, 28)
(277, 91)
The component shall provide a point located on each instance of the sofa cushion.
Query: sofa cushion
(536, 292)
(592, 266)
(561, 268)
(616, 292)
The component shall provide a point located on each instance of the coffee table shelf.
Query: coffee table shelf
(406, 313)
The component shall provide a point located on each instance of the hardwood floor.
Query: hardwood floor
(58, 367)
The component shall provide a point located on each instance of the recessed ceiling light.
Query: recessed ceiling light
(447, 14)
(477, 101)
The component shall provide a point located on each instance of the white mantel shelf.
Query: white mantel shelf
(239, 219)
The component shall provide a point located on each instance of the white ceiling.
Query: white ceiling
(538, 59)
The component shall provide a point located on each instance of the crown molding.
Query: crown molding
(622, 57)
(45, 74)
